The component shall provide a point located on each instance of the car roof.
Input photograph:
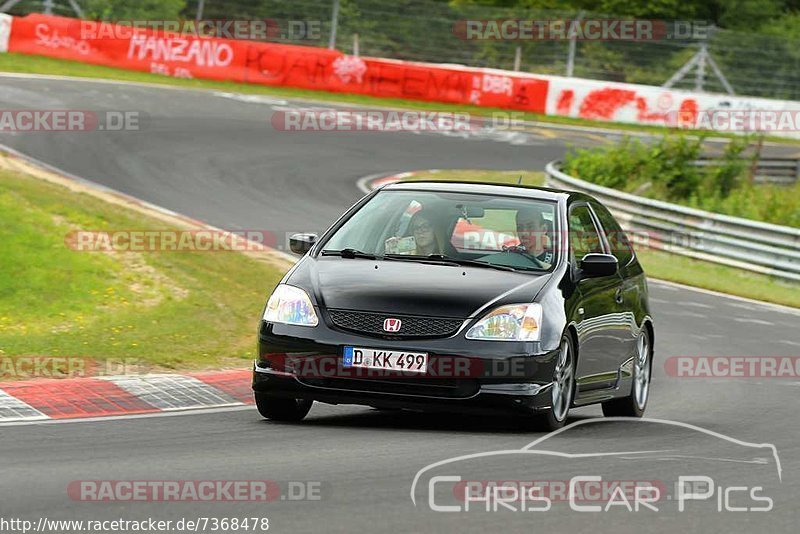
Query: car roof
(485, 188)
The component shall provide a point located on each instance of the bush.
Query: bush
(664, 170)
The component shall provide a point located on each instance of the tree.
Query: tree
(113, 10)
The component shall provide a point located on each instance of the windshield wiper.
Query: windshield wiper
(420, 259)
(441, 259)
(350, 253)
(470, 263)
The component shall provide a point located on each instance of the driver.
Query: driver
(534, 236)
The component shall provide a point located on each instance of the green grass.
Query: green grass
(658, 264)
(22, 63)
(162, 310)
(707, 275)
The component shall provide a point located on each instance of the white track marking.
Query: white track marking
(199, 411)
(13, 409)
(684, 313)
(695, 304)
(674, 286)
(173, 392)
(753, 321)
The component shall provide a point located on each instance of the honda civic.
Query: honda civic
(460, 297)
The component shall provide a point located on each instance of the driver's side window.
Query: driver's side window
(583, 236)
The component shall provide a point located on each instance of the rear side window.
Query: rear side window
(583, 236)
(617, 239)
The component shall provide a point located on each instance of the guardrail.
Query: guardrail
(751, 245)
(783, 171)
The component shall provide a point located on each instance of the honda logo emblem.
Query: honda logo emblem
(392, 325)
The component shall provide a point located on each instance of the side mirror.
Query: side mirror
(302, 243)
(597, 265)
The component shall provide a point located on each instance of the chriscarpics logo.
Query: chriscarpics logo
(614, 465)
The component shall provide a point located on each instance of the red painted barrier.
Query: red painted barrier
(304, 67)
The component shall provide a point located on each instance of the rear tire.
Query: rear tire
(279, 409)
(635, 404)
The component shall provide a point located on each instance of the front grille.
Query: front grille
(412, 326)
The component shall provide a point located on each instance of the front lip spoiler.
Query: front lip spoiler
(284, 374)
(525, 389)
(516, 389)
(271, 371)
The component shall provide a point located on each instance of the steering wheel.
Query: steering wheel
(519, 251)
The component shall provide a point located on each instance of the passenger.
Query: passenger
(423, 238)
(422, 228)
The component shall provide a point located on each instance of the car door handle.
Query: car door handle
(618, 298)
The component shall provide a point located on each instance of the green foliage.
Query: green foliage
(746, 15)
(664, 170)
(786, 26)
(756, 43)
(126, 10)
(769, 203)
(633, 165)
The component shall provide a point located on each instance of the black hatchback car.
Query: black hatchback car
(460, 297)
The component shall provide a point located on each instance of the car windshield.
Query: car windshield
(462, 228)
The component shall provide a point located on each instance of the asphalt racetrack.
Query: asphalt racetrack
(217, 158)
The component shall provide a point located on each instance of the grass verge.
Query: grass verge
(159, 310)
(658, 264)
(23, 63)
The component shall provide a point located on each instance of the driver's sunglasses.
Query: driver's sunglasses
(422, 227)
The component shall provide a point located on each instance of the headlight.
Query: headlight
(290, 305)
(515, 322)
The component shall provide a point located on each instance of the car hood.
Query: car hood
(411, 288)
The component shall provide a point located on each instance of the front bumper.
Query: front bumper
(463, 375)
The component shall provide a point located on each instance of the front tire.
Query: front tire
(635, 404)
(279, 409)
(563, 387)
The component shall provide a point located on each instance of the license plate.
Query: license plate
(393, 360)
